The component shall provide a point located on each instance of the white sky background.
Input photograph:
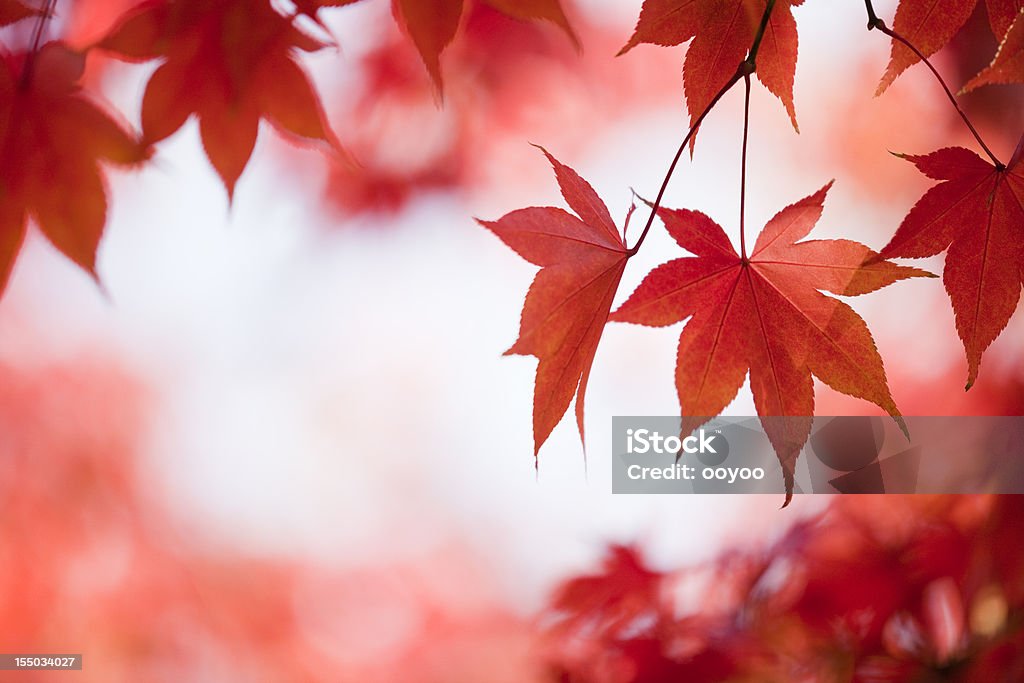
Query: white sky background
(339, 391)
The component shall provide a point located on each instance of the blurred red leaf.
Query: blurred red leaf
(504, 79)
(895, 589)
(765, 314)
(610, 600)
(1008, 64)
(311, 7)
(433, 24)
(53, 136)
(12, 11)
(722, 34)
(977, 213)
(230, 63)
(929, 25)
(581, 258)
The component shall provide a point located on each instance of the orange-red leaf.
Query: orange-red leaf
(52, 138)
(1008, 65)
(230, 63)
(723, 32)
(613, 599)
(765, 315)
(528, 10)
(12, 11)
(433, 24)
(1001, 14)
(929, 25)
(977, 213)
(311, 7)
(581, 259)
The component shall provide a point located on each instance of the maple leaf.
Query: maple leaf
(230, 63)
(765, 314)
(12, 11)
(581, 258)
(52, 137)
(929, 25)
(1008, 64)
(976, 213)
(723, 32)
(311, 8)
(611, 600)
(432, 24)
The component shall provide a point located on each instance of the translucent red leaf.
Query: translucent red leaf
(581, 258)
(612, 599)
(549, 10)
(977, 213)
(433, 24)
(1008, 64)
(723, 32)
(12, 11)
(929, 25)
(231, 64)
(54, 138)
(765, 315)
(1002, 13)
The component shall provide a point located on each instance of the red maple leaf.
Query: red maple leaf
(723, 32)
(765, 314)
(311, 8)
(230, 63)
(611, 600)
(12, 11)
(1008, 64)
(929, 25)
(432, 24)
(52, 137)
(977, 213)
(581, 258)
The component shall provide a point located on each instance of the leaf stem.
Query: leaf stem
(746, 67)
(37, 37)
(679, 154)
(874, 22)
(1018, 153)
(743, 168)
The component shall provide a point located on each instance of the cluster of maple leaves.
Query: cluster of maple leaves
(232, 64)
(879, 589)
(764, 313)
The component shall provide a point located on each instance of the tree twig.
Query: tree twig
(874, 22)
(743, 169)
(746, 67)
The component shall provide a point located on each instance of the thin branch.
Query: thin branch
(873, 19)
(759, 36)
(679, 154)
(1018, 153)
(874, 22)
(746, 67)
(743, 169)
